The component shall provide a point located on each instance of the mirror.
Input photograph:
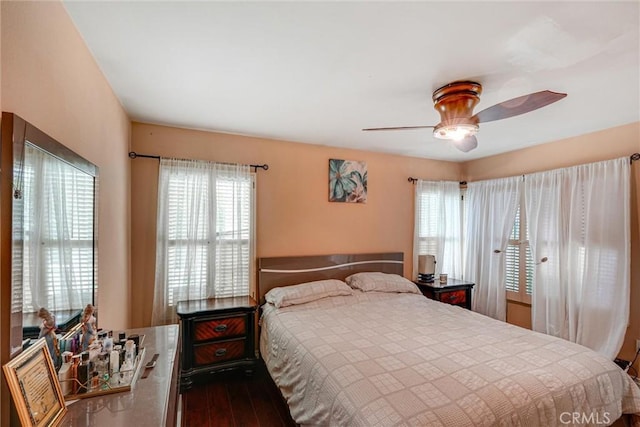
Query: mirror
(53, 228)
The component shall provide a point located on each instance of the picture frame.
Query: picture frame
(35, 388)
(348, 181)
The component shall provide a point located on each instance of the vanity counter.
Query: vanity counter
(153, 400)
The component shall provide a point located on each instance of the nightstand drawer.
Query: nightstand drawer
(219, 328)
(217, 334)
(454, 297)
(206, 354)
(454, 292)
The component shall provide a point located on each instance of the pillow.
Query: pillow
(381, 282)
(307, 292)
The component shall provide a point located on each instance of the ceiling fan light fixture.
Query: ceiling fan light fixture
(455, 103)
(456, 132)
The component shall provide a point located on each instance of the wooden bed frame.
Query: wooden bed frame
(285, 271)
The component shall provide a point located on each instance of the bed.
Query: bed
(386, 358)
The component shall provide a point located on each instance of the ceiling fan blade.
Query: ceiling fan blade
(467, 144)
(401, 128)
(516, 106)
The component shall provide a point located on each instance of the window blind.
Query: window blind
(513, 268)
(518, 258)
(427, 213)
(209, 232)
(438, 228)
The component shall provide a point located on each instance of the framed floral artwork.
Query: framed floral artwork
(347, 181)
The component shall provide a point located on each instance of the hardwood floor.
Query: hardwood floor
(233, 399)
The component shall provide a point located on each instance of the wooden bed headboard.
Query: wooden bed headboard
(285, 271)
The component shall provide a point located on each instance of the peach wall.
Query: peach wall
(612, 143)
(609, 144)
(294, 216)
(50, 79)
(4, 339)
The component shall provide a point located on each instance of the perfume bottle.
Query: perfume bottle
(130, 351)
(121, 338)
(83, 373)
(114, 360)
(126, 370)
(75, 364)
(95, 381)
(107, 344)
(102, 367)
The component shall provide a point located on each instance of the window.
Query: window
(205, 243)
(519, 275)
(217, 248)
(438, 229)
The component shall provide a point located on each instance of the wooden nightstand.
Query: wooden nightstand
(217, 334)
(454, 292)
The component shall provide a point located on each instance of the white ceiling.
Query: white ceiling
(319, 72)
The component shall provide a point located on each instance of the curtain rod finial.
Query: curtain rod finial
(133, 154)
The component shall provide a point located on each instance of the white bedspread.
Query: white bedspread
(381, 359)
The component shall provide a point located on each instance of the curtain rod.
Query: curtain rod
(133, 155)
(414, 180)
(632, 158)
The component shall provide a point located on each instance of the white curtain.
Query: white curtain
(491, 210)
(205, 234)
(579, 221)
(58, 234)
(437, 229)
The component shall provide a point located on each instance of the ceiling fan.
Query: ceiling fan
(455, 102)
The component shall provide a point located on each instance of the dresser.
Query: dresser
(217, 334)
(454, 292)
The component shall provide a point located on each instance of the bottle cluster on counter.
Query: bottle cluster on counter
(107, 363)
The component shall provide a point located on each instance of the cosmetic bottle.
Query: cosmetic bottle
(130, 351)
(107, 344)
(102, 365)
(74, 344)
(126, 372)
(127, 367)
(122, 353)
(114, 360)
(136, 340)
(65, 374)
(83, 373)
(95, 381)
(75, 364)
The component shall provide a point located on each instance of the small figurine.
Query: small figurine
(48, 331)
(88, 327)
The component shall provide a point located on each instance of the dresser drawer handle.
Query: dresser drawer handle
(220, 328)
(221, 352)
